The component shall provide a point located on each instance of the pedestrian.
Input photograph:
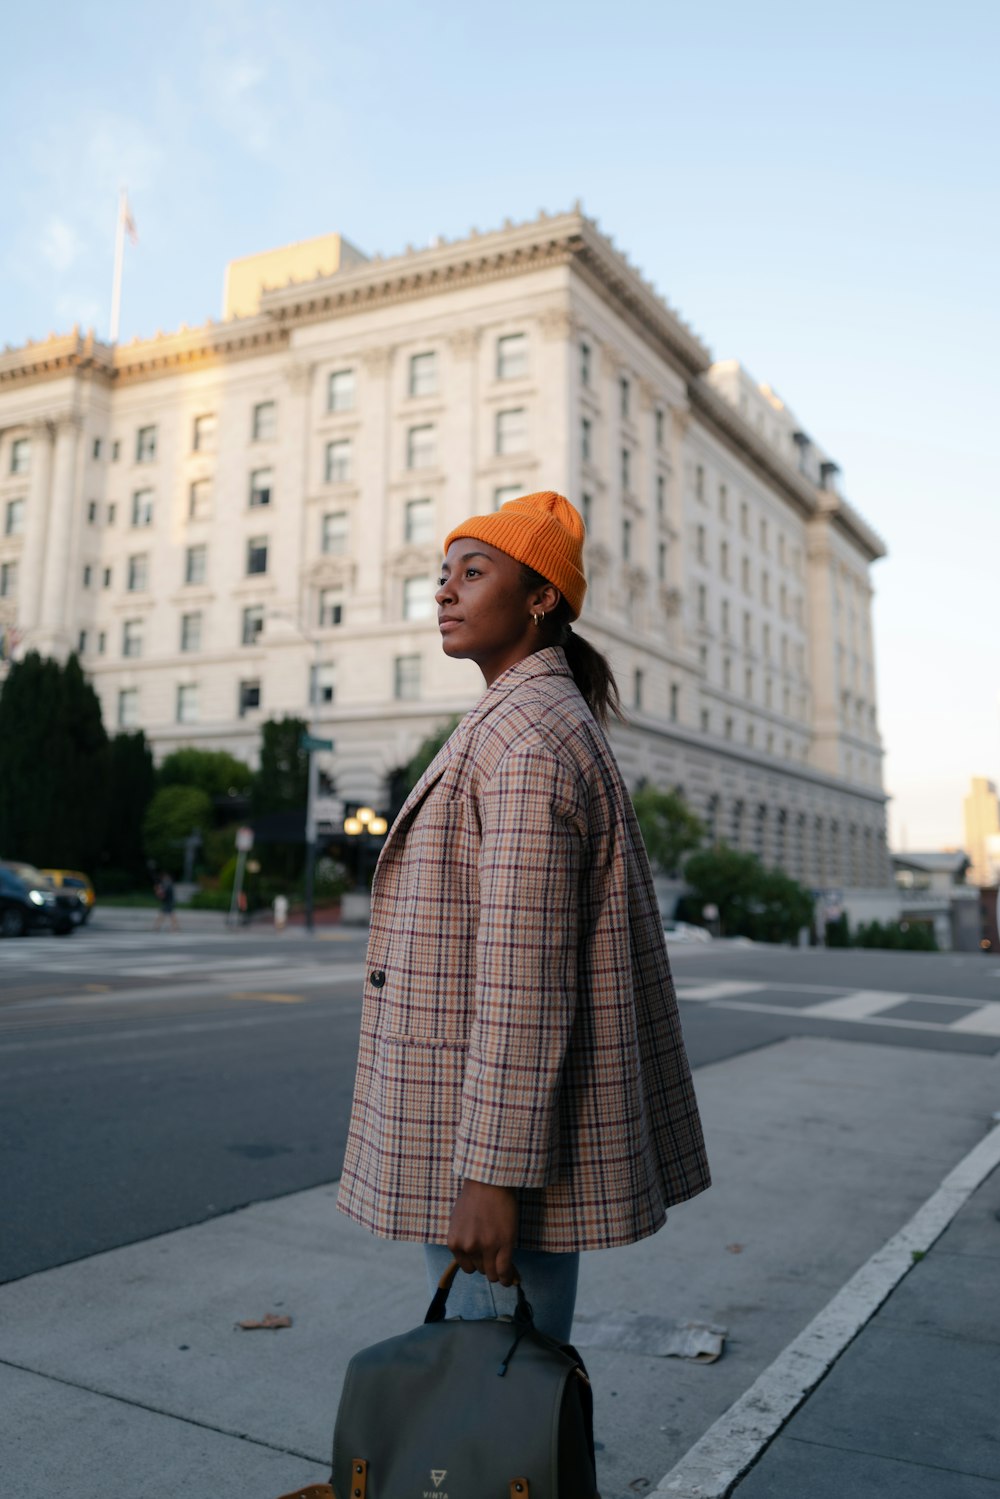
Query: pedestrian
(522, 1089)
(164, 891)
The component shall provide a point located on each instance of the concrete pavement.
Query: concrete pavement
(123, 1376)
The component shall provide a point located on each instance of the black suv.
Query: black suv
(29, 901)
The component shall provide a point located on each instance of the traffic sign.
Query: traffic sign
(310, 742)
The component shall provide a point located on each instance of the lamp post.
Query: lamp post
(312, 743)
(365, 824)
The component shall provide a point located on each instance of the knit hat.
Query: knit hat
(544, 531)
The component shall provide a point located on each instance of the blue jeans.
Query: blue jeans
(549, 1282)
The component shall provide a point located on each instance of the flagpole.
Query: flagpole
(116, 290)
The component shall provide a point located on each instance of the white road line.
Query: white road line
(736, 1439)
(856, 1006)
(984, 1022)
(721, 990)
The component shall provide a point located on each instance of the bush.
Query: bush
(669, 828)
(902, 936)
(764, 904)
(174, 813)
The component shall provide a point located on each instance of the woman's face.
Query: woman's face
(484, 610)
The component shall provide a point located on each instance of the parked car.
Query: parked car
(685, 931)
(74, 884)
(29, 902)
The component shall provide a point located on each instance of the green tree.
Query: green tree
(764, 904)
(282, 782)
(215, 771)
(132, 783)
(173, 814)
(669, 828)
(414, 768)
(53, 765)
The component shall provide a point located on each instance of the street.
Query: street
(153, 1081)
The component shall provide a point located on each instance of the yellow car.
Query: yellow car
(72, 882)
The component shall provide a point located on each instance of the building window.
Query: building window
(511, 431)
(116, 450)
(423, 374)
(675, 699)
(727, 673)
(256, 555)
(661, 561)
(725, 617)
(747, 631)
(585, 365)
(748, 683)
(339, 460)
(142, 507)
(341, 391)
(322, 682)
(724, 558)
(195, 564)
(700, 543)
(418, 598)
(86, 575)
(128, 707)
(187, 702)
(624, 396)
(406, 678)
(586, 509)
(106, 578)
(8, 580)
(102, 642)
(92, 512)
(253, 624)
(20, 455)
(661, 496)
(702, 603)
(138, 573)
(586, 439)
(419, 521)
(745, 574)
(637, 688)
(763, 535)
(14, 519)
(203, 435)
(112, 512)
(190, 632)
(421, 447)
(744, 519)
(249, 696)
(699, 482)
(261, 486)
(200, 500)
(704, 720)
(627, 540)
(81, 643)
(330, 608)
(96, 448)
(765, 588)
(512, 356)
(729, 728)
(335, 533)
(265, 421)
(504, 493)
(660, 426)
(132, 637)
(145, 445)
(723, 502)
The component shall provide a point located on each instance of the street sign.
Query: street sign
(310, 742)
(329, 809)
(244, 840)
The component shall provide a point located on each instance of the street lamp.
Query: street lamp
(365, 821)
(312, 744)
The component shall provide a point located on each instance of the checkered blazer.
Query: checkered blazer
(519, 1023)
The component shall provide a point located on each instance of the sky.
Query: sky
(814, 189)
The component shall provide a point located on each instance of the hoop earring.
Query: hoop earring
(538, 618)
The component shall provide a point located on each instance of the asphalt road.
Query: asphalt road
(151, 1082)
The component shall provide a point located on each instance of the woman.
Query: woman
(522, 1090)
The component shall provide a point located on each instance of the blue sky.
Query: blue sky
(813, 188)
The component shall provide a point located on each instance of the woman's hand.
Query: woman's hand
(482, 1233)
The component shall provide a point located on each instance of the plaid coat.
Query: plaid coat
(519, 1023)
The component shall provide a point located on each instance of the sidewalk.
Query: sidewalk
(124, 1375)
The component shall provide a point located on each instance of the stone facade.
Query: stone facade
(230, 521)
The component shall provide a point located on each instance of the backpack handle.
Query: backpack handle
(436, 1310)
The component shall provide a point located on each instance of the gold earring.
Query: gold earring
(538, 618)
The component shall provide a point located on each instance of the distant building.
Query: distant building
(244, 520)
(933, 889)
(982, 831)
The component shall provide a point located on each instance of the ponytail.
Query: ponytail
(591, 671)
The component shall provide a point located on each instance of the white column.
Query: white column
(53, 636)
(372, 533)
(36, 528)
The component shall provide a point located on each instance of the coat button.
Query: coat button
(377, 977)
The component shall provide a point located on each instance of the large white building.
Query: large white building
(232, 521)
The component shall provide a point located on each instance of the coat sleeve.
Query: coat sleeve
(530, 863)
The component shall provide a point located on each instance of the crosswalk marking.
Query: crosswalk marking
(857, 1006)
(984, 1022)
(725, 989)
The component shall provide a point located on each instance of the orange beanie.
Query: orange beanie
(544, 531)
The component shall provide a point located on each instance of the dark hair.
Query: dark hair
(591, 671)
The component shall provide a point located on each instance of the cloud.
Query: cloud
(60, 245)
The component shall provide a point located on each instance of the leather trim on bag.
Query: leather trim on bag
(359, 1477)
(519, 1489)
